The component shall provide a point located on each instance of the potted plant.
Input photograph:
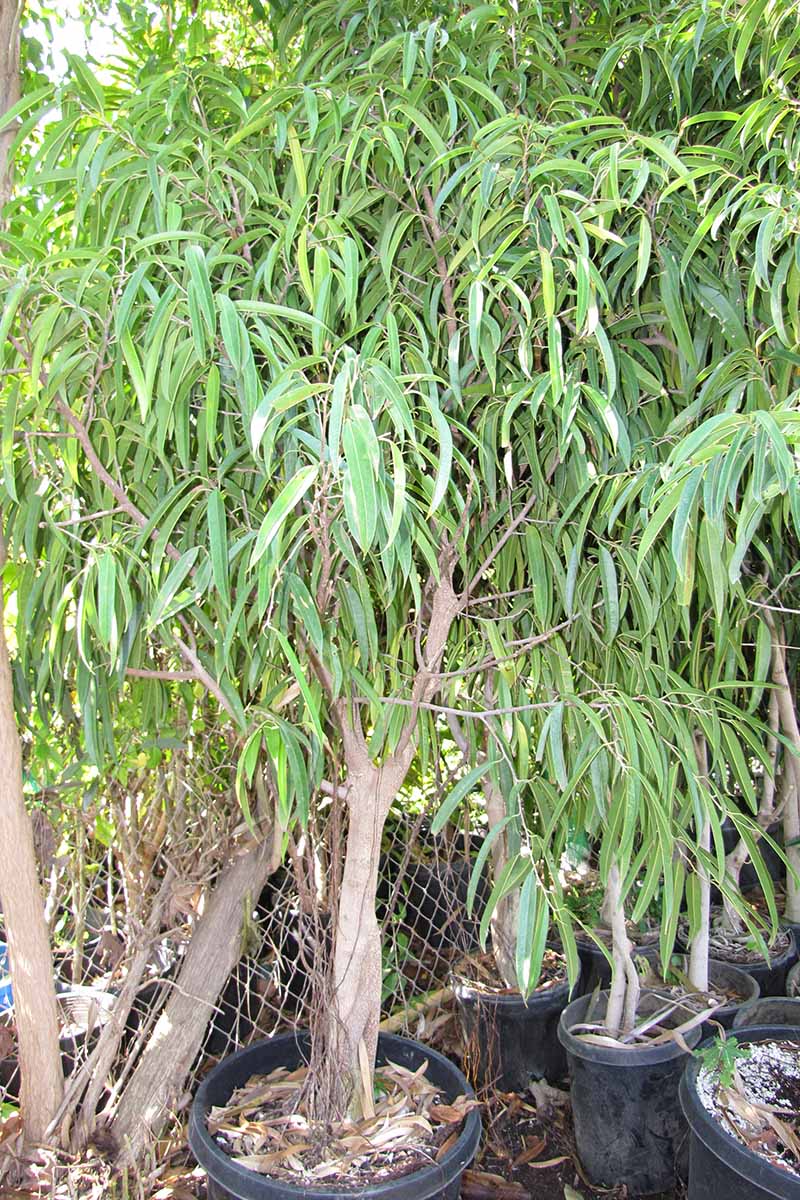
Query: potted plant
(629, 1044)
(324, 403)
(738, 1096)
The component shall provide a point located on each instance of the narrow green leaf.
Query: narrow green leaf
(271, 526)
(362, 455)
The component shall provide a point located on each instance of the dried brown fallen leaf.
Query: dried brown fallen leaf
(449, 1114)
(531, 1151)
(446, 1146)
(265, 1162)
(548, 1162)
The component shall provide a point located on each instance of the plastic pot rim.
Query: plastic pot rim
(749, 1165)
(752, 983)
(462, 990)
(618, 1055)
(416, 1185)
(746, 1010)
(774, 963)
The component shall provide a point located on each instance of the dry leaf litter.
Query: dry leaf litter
(265, 1127)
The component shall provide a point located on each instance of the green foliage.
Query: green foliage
(318, 321)
(722, 1056)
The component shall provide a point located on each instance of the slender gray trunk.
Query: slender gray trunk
(698, 952)
(504, 922)
(623, 999)
(35, 1009)
(789, 725)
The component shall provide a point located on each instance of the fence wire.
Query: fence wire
(100, 894)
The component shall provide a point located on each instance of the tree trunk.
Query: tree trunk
(357, 965)
(35, 1009)
(623, 998)
(504, 921)
(698, 953)
(791, 815)
(158, 1082)
(10, 17)
(791, 833)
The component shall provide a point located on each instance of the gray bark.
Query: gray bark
(159, 1080)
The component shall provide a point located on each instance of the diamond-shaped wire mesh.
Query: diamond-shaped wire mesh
(101, 892)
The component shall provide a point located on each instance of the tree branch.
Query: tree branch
(435, 233)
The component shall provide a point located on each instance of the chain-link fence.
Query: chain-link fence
(106, 879)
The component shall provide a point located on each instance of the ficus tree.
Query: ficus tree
(245, 449)
(343, 394)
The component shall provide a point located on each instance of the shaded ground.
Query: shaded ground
(527, 1153)
(523, 1156)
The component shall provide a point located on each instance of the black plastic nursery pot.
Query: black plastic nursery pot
(794, 972)
(228, 1180)
(435, 899)
(774, 1010)
(770, 858)
(596, 969)
(771, 977)
(628, 1123)
(727, 976)
(512, 1040)
(83, 1012)
(719, 1165)
(793, 979)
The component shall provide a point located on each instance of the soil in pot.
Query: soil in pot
(730, 988)
(755, 897)
(430, 1096)
(628, 1124)
(83, 1012)
(739, 950)
(508, 1040)
(741, 1098)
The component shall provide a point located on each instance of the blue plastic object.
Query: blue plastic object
(6, 998)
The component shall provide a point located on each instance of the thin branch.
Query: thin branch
(521, 647)
(435, 233)
(467, 713)
(177, 676)
(487, 562)
(203, 676)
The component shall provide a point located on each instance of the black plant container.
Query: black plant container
(774, 1010)
(83, 1012)
(595, 967)
(720, 1167)
(726, 975)
(770, 858)
(512, 1040)
(771, 977)
(229, 1181)
(628, 1124)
